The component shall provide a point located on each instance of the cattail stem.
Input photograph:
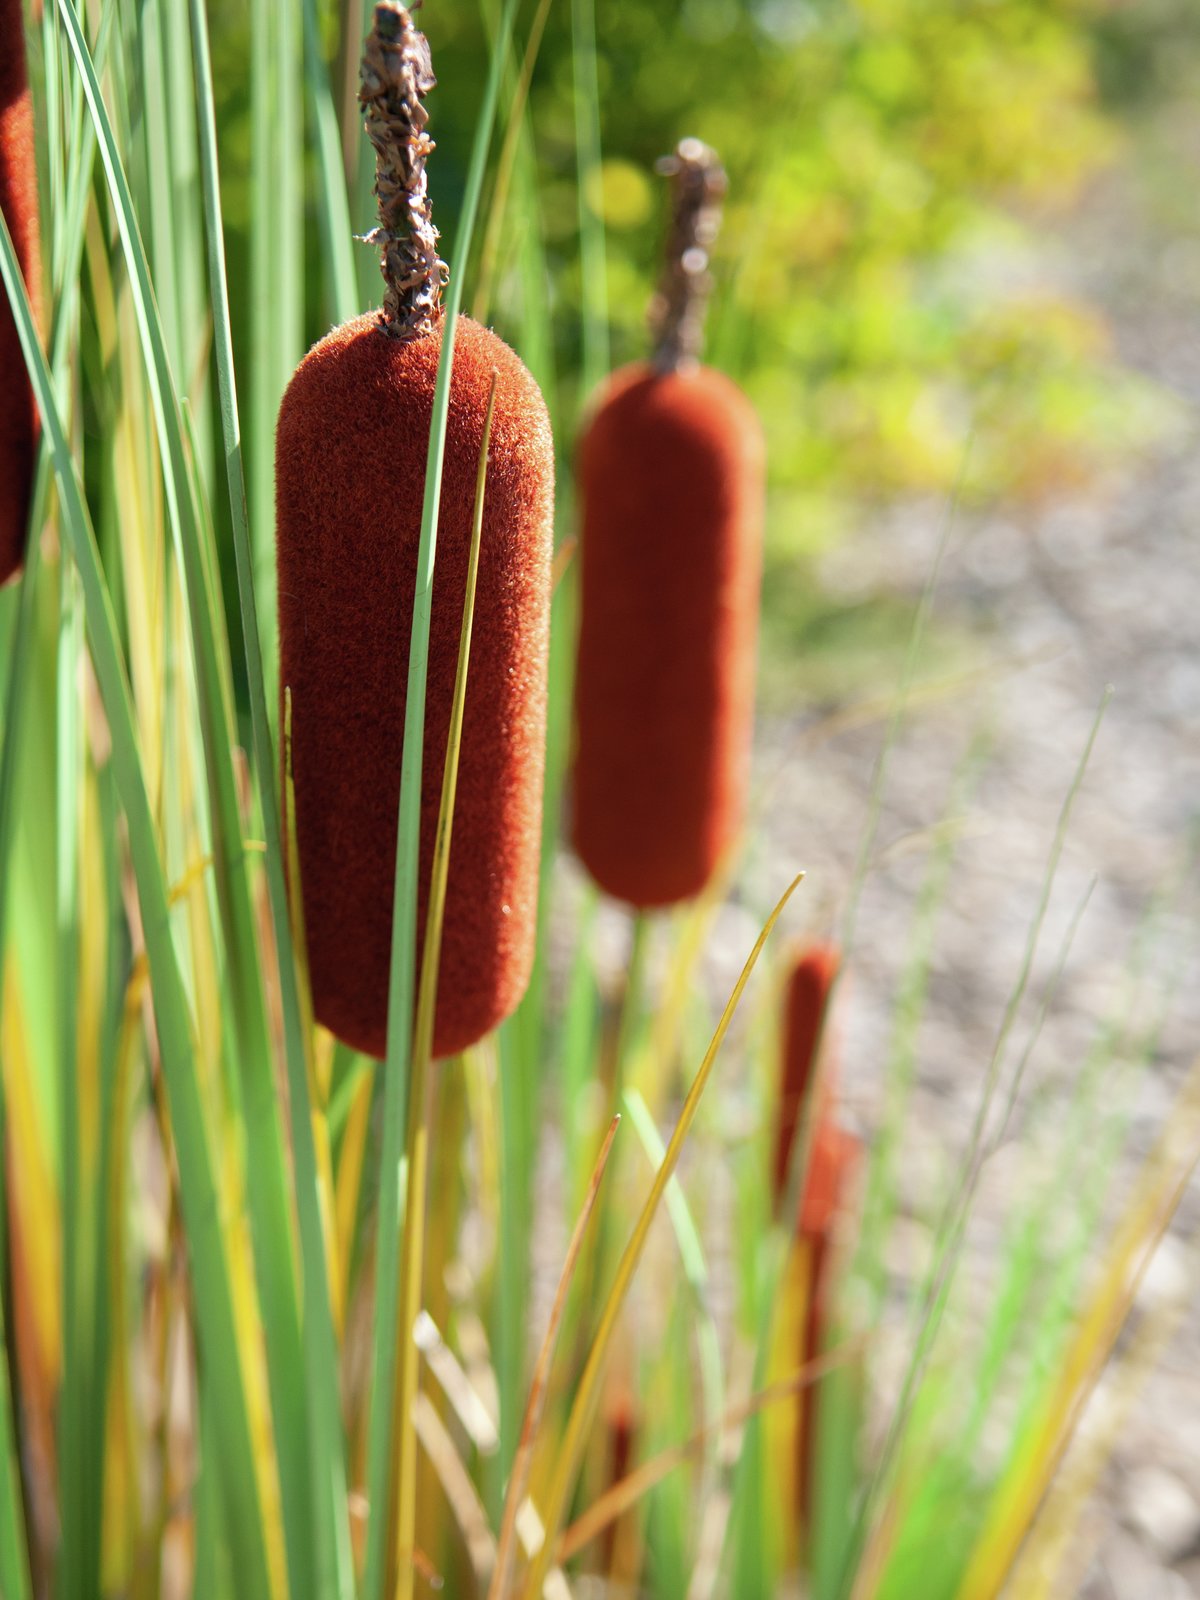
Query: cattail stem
(677, 311)
(397, 74)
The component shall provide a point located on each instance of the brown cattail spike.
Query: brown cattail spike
(350, 456)
(671, 481)
(397, 74)
(677, 311)
(805, 1005)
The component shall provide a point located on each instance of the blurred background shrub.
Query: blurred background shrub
(884, 287)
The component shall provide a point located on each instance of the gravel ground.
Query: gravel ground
(1101, 588)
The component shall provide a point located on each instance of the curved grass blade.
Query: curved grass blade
(899, 702)
(214, 1306)
(570, 1453)
(335, 1571)
(950, 1234)
(879, 1199)
(267, 1181)
(691, 1253)
(1164, 1180)
(404, 910)
(518, 1482)
(470, 1515)
(1055, 1557)
(68, 251)
(622, 1496)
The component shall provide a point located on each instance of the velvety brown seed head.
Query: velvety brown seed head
(19, 203)
(350, 475)
(671, 474)
(808, 989)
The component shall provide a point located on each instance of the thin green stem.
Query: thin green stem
(593, 256)
(420, 1125)
(268, 1188)
(335, 1560)
(587, 1393)
(333, 212)
(950, 1234)
(213, 1299)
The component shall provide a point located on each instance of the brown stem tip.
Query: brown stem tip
(677, 311)
(397, 74)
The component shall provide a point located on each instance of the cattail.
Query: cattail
(619, 1545)
(671, 479)
(830, 1163)
(350, 475)
(805, 1005)
(833, 1162)
(19, 203)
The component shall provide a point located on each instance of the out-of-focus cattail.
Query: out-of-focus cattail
(671, 472)
(832, 1157)
(19, 203)
(805, 1004)
(619, 1546)
(833, 1162)
(350, 475)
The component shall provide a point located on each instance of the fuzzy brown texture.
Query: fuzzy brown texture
(350, 476)
(671, 478)
(805, 1003)
(19, 203)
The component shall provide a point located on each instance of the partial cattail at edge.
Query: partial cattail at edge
(19, 203)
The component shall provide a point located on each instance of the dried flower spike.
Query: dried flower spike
(397, 74)
(19, 203)
(671, 471)
(677, 311)
(350, 478)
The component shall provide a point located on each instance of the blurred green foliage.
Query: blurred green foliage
(880, 291)
(882, 287)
